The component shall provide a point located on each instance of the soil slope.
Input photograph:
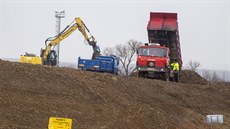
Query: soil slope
(30, 94)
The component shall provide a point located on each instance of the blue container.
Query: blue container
(108, 64)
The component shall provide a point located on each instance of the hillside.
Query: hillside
(30, 94)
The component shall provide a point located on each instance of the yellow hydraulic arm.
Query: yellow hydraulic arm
(79, 24)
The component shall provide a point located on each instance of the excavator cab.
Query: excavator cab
(51, 58)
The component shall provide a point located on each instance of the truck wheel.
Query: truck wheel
(165, 77)
(141, 75)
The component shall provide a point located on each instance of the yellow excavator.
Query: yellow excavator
(48, 56)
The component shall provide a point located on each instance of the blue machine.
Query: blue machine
(107, 64)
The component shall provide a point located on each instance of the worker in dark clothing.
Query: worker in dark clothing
(176, 69)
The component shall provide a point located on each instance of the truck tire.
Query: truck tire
(139, 75)
(165, 76)
(142, 75)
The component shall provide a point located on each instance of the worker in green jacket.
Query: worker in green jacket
(176, 69)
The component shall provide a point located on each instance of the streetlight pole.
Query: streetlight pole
(58, 16)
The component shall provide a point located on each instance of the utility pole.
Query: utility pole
(58, 16)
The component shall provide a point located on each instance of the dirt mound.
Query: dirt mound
(186, 76)
(30, 94)
(191, 77)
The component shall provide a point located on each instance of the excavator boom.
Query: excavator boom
(49, 56)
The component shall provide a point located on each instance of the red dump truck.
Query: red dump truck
(154, 58)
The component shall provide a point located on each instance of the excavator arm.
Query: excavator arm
(49, 56)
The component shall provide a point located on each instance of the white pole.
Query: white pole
(58, 16)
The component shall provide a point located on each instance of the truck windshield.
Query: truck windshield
(161, 52)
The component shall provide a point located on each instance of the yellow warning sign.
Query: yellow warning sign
(60, 123)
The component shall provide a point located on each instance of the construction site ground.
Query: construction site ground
(31, 94)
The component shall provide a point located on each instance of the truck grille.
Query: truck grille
(150, 63)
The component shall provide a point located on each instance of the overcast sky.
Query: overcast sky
(203, 27)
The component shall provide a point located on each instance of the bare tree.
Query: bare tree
(125, 53)
(206, 75)
(108, 51)
(215, 77)
(193, 65)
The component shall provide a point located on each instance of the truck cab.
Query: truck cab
(153, 61)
